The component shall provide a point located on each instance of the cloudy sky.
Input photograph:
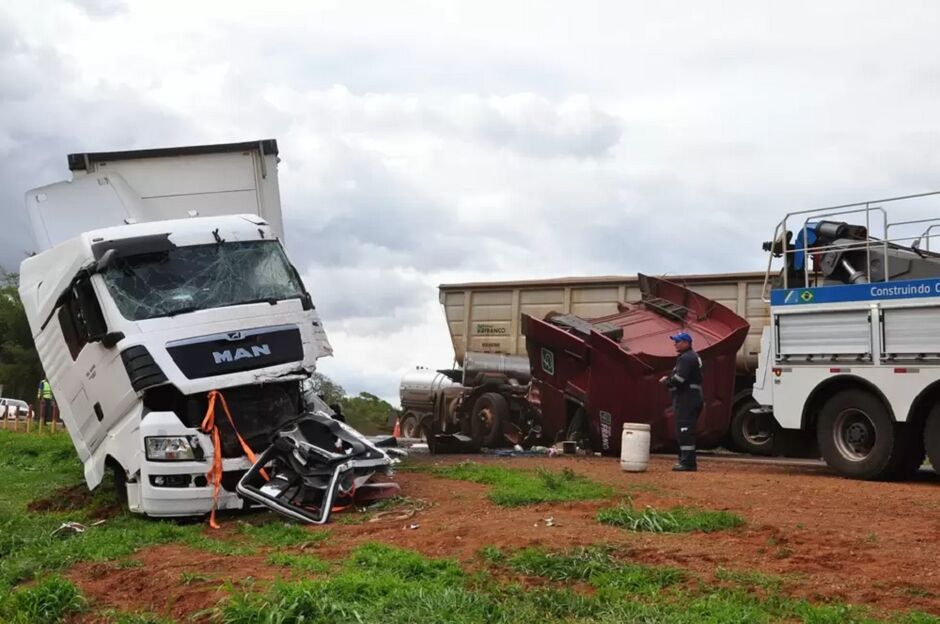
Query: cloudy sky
(447, 141)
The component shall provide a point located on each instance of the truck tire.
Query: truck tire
(932, 438)
(486, 420)
(577, 430)
(119, 478)
(409, 426)
(752, 433)
(857, 437)
(914, 451)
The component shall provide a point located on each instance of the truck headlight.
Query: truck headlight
(173, 448)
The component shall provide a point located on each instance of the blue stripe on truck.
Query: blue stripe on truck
(907, 289)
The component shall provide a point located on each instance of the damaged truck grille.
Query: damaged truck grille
(259, 411)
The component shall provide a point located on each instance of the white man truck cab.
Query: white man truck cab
(161, 276)
(852, 354)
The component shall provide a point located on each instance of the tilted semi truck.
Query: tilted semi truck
(485, 321)
(160, 281)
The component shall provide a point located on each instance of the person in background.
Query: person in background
(685, 383)
(45, 402)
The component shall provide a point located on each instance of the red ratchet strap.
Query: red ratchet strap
(215, 472)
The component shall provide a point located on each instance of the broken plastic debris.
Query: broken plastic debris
(317, 465)
(70, 527)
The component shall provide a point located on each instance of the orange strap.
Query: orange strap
(215, 472)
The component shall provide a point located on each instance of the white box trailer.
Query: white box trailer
(162, 280)
(141, 186)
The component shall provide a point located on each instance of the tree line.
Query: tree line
(20, 370)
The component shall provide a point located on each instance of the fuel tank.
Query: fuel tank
(420, 388)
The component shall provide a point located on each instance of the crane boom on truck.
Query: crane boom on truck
(851, 356)
(162, 281)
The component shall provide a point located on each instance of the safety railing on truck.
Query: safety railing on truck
(868, 209)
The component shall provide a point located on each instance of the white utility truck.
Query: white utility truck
(160, 277)
(852, 351)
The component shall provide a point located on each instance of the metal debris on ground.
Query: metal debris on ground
(318, 465)
(74, 527)
(518, 451)
(407, 510)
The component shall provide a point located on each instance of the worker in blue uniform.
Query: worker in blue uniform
(685, 383)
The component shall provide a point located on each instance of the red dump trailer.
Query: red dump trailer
(590, 376)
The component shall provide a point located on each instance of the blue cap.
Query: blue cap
(682, 337)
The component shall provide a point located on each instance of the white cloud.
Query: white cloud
(431, 142)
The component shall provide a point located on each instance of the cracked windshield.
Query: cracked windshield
(198, 277)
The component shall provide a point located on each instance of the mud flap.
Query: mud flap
(315, 466)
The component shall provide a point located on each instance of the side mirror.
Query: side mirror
(110, 340)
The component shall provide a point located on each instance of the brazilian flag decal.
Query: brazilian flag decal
(806, 296)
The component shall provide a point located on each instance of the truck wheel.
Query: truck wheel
(932, 438)
(120, 483)
(578, 429)
(486, 421)
(752, 433)
(857, 437)
(913, 454)
(409, 426)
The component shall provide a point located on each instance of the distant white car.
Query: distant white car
(13, 408)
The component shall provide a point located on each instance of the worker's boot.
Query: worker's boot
(686, 462)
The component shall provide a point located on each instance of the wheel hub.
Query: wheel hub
(487, 420)
(854, 434)
(757, 430)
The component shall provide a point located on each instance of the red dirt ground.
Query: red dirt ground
(74, 497)
(831, 538)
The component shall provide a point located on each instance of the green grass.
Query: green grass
(376, 583)
(513, 488)
(381, 584)
(119, 617)
(34, 466)
(279, 534)
(49, 601)
(597, 566)
(305, 564)
(749, 579)
(675, 520)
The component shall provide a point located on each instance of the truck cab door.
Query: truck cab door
(102, 393)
